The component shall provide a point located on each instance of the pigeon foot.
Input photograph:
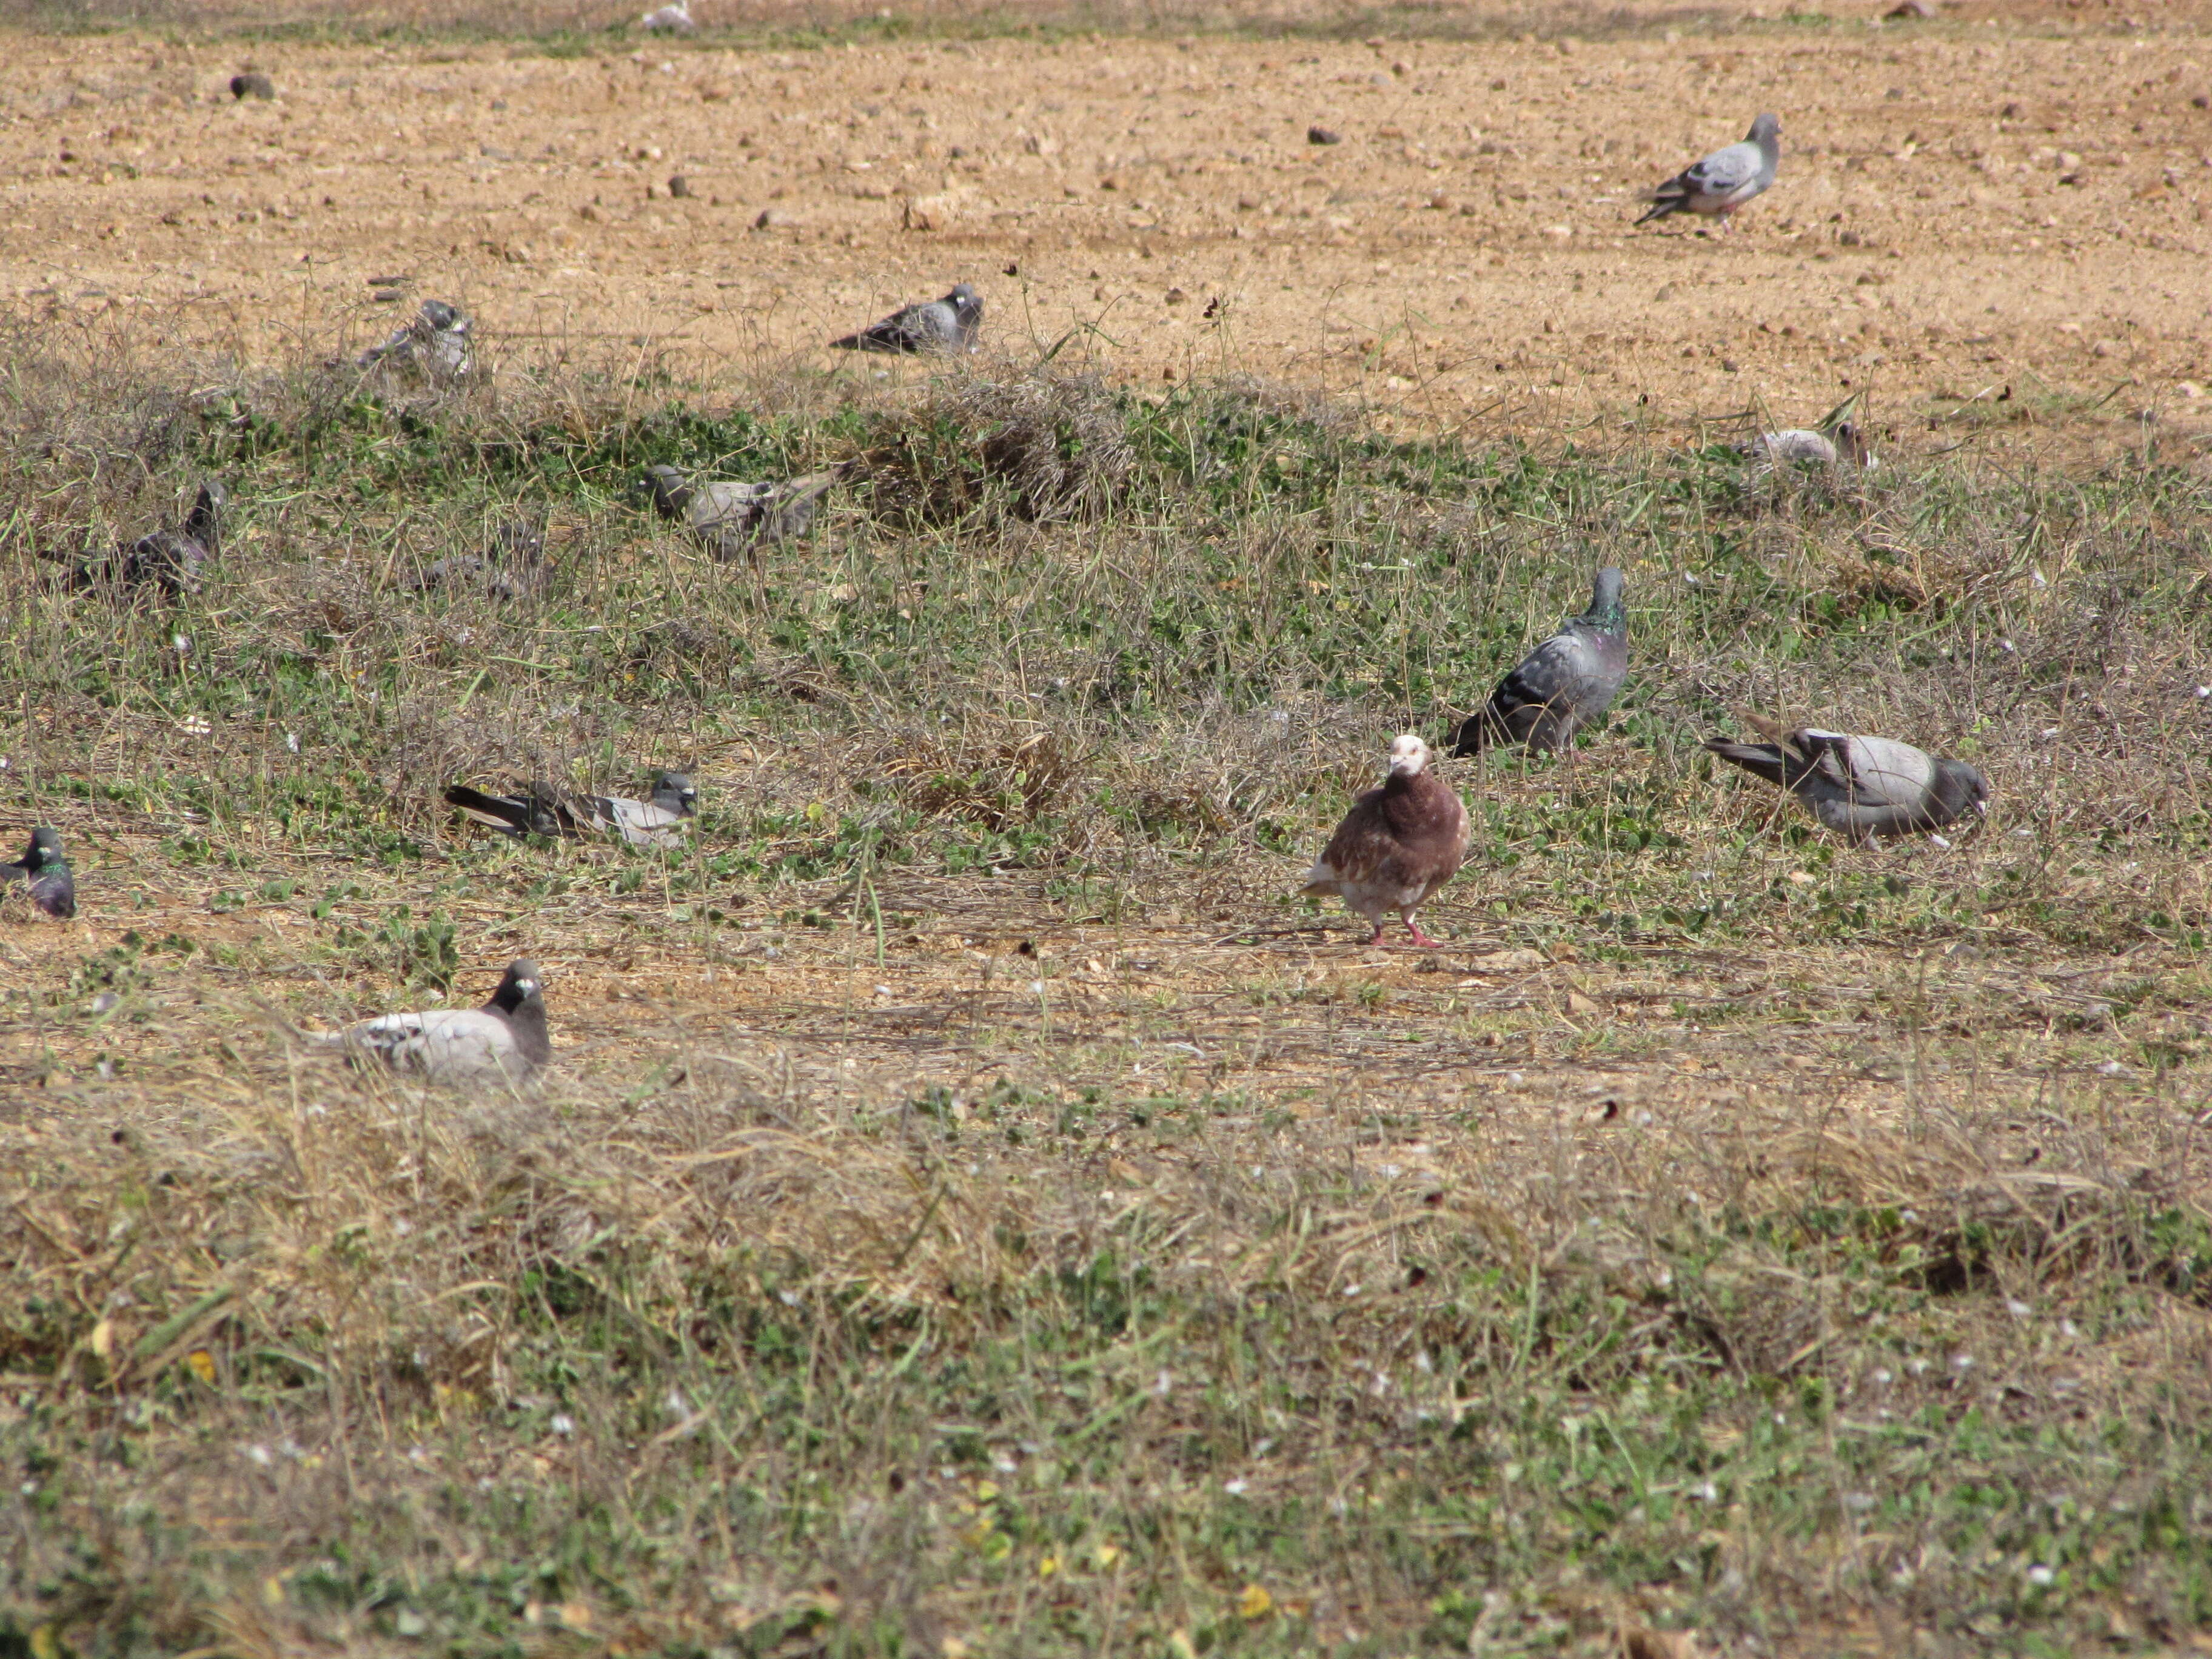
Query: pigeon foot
(1419, 937)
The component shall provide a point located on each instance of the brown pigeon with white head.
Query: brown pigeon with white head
(1398, 844)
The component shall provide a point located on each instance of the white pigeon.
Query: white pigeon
(498, 1046)
(1724, 181)
(672, 19)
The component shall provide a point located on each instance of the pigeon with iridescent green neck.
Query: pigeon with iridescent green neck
(1562, 685)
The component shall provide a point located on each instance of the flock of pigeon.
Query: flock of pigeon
(1396, 847)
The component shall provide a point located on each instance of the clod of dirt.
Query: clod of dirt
(1318, 134)
(253, 84)
(679, 186)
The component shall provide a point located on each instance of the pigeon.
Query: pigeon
(726, 518)
(500, 1044)
(514, 567)
(1724, 181)
(252, 84)
(672, 19)
(1861, 787)
(1838, 438)
(169, 562)
(44, 874)
(436, 341)
(540, 809)
(1563, 684)
(947, 324)
(1397, 845)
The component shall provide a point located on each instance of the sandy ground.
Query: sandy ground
(1964, 209)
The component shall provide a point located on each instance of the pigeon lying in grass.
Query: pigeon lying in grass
(513, 566)
(1861, 787)
(1724, 181)
(171, 562)
(44, 874)
(436, 341)
(1562, 685)
(1838, 438)
(500, 1045)
(947, 324)
(1397, 845)
(726, 518)
(672, 19)
(541, 810)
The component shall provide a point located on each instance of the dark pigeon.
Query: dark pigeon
(514, 567)
(436, 341)
(1562, 685)
(44, 874)
(1397, 845)
(170, 562)
(541, 810)
(1724, 181)
(947, 324)
(1861, 787)
(727, 518)
(502, 1044)
(253, 84)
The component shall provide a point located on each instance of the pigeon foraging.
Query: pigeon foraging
(44, 874)
(540, 809)
(1397, 846)
(1861, 787)
(512, 566)
(1562, 685)
(947, 324)
(500, 1045)
(436, 341)
(171, 562)
(1724, 181)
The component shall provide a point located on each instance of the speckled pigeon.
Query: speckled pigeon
(726, 518)
(436, 341)
(947, 324)
(44, 874)
(1861, 787)
(1724, 181)
(1562, 685)
(1397, 845)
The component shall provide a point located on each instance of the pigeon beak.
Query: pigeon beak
(528, 986)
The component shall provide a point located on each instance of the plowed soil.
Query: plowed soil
(2010, 217)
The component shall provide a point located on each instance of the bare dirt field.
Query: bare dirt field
(1967, 208)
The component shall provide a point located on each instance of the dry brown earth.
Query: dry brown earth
(1965, 209)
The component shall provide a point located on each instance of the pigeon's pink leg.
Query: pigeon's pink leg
(1375, 938)
(1421, 938)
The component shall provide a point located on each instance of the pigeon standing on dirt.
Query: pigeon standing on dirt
(436, 341)
(1861, 787)
(512, 566)
(1562, 685)
(1724, 181)
(726, 518)
(671, 19)
(502, 1044)
(170, 562)
(540, 809)
(44, 874)
(947, 324)
(1397, 845)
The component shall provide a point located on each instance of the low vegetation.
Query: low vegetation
(977, 1209)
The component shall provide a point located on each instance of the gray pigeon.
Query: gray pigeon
(1838, 438)
(500, 1044)
(514, 567)
(44, 874)
(726, 518)
(1562, 685)
(1861, 787)
(672, 19)
(540, 809)
(947, 324)
(436, 341)
(169, 561)
(1724, 181)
